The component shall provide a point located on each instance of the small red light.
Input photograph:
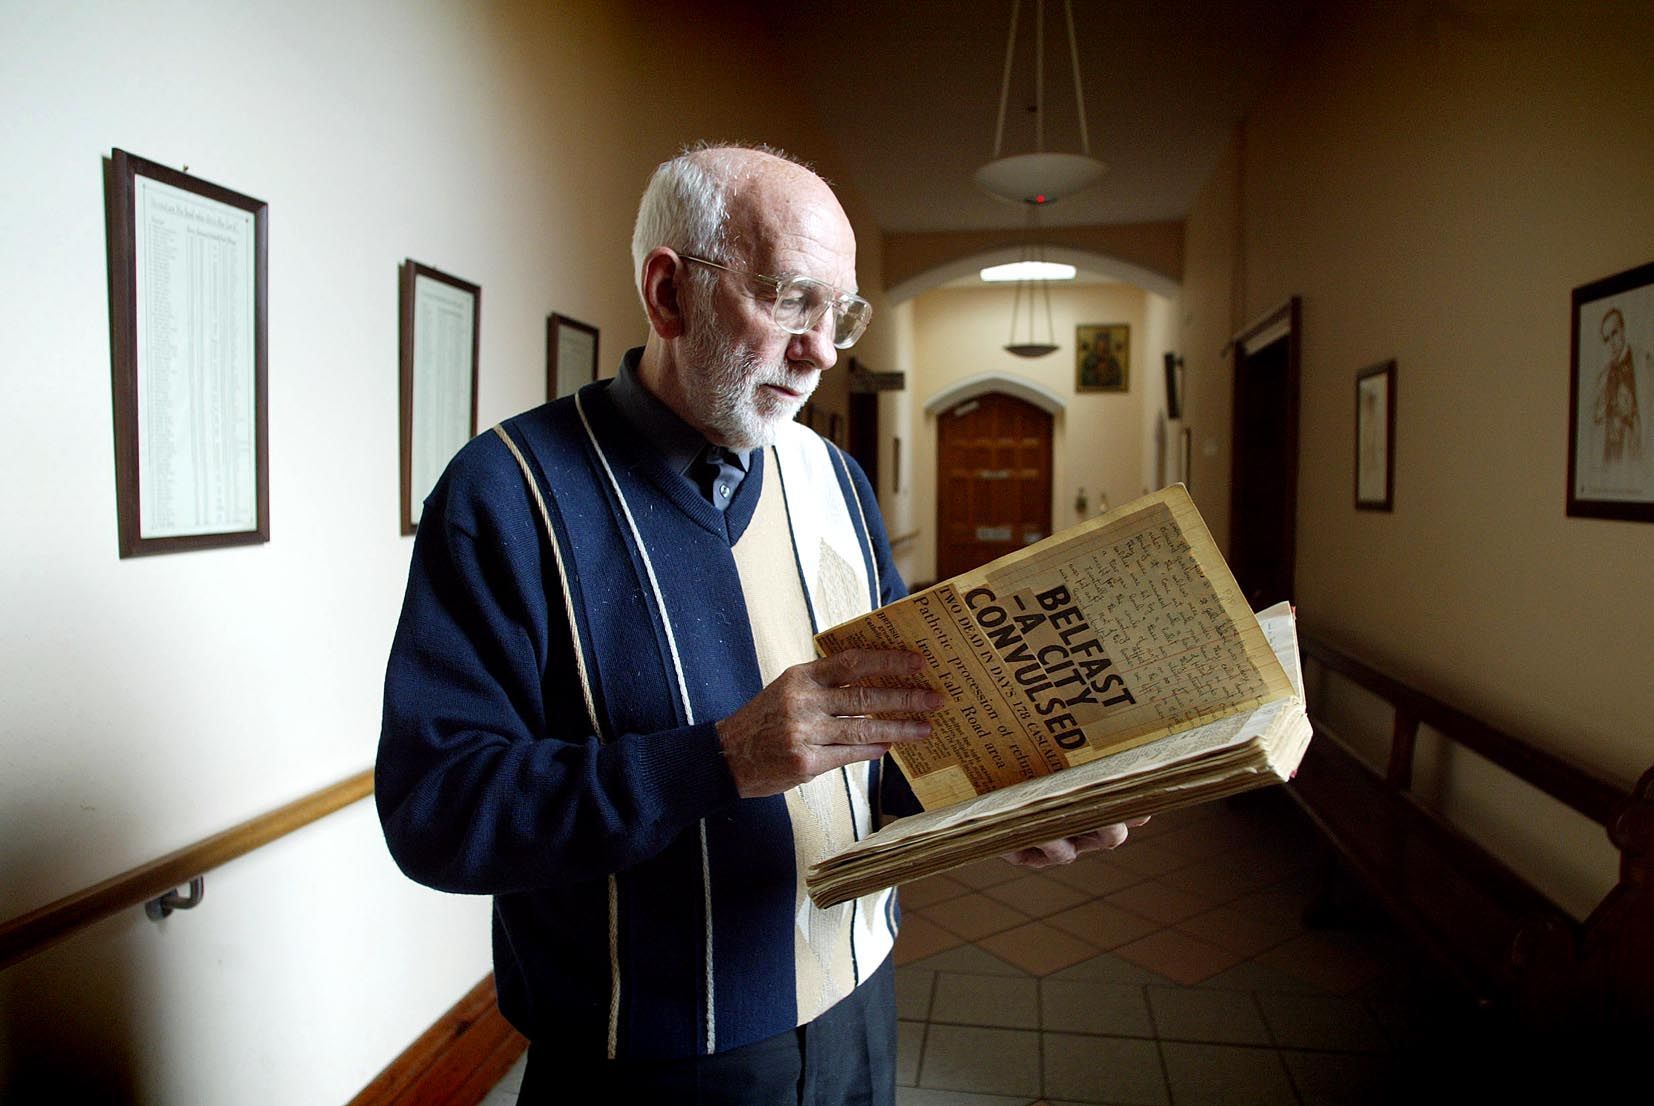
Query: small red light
(1040, 198)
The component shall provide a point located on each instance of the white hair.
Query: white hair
(685, 206)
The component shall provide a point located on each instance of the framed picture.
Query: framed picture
(189, 354)
(571, 355)
(1375, 437)
(1102, 357)
(1611, 398)
(438, 375)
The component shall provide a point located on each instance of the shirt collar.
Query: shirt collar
(679, 444)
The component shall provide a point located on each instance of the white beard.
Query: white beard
(724, 385)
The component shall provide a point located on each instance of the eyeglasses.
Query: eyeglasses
(801, 301)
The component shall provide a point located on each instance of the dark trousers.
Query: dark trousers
(846, 1057)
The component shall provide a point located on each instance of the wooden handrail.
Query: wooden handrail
(1594, 796)
(23, 936)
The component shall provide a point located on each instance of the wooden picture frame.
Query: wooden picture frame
(438, 340)
(189, 354)
(1611, 398)
(1375, 437)
(1102, 357)
(571, 355)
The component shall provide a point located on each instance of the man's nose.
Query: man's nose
(816, 344)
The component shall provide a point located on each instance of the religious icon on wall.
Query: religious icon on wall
(1102, 357)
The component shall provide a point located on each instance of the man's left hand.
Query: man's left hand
(1064, 850)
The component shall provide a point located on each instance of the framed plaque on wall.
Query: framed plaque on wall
(439, 334)
(188, 324)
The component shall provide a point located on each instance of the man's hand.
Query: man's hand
(814, 717)
(1064, 850)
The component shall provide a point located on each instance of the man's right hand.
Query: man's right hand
(815, 717)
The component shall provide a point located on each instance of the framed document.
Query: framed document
(571, 355)
(1611, 398)
(439, 378)
(187, 265)
(1375, 438)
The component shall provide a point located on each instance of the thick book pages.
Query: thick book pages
(1106, 672)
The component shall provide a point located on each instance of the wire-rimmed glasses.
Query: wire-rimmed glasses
(801, 301)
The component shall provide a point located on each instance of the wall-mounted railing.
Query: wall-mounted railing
(22, 937)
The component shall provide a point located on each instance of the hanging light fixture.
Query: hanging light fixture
(1033, 251)
(1041, 177)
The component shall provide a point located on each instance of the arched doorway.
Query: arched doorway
(993, 480)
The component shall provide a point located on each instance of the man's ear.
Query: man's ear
(663, 273)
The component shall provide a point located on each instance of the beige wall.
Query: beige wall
(1433, 185)
(150, 702)
(1101, 441)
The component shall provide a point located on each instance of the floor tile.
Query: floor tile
(933, 889)
(1215, 1017)
(1160, 902)
(973, 916)
(1087, 1006)
(1037, 895)
(1321, 1022)
(924, 1096)
(913, 990)
(1103, 924)
(1342, 1079)
(1178, 957)
(1253, 976)
(513, 1079)
(1334, 964)
(1238, 931)
(920, 938)
(1006, 1001)
(1148, 858)
(968, 959)
(1095, 875)
(1226, 1075)
(1109, 968)
(1039, 949)
(984, 1061)
(910, 1046)
(987, 873)
(1104, 1069)
(1217, 880)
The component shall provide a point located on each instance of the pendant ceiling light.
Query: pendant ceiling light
(1031, 346)
(1041, 177)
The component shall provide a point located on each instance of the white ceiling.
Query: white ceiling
(908, 91)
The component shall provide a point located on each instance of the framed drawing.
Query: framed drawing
(189, 354)
(1102, 357)
(438, 377)
(1375, 437)
(571, 355)
(1611, 398)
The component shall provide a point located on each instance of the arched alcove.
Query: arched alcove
(1009, 383)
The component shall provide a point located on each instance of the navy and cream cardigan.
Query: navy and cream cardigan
(575, 624)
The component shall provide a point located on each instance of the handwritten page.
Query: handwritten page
(1109, 635)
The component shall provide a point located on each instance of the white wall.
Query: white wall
(150, 702)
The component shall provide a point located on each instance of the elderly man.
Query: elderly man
(601, 705)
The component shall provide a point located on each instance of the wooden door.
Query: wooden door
(993, 480)
(1263, 480)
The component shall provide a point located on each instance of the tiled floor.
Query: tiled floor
(1174, 971)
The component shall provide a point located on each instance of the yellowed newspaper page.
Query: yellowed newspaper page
(1108, 635)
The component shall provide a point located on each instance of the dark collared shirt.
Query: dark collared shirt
(714, 471)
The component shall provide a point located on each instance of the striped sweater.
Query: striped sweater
(577, 619)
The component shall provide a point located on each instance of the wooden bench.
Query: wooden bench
(1510, 946)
